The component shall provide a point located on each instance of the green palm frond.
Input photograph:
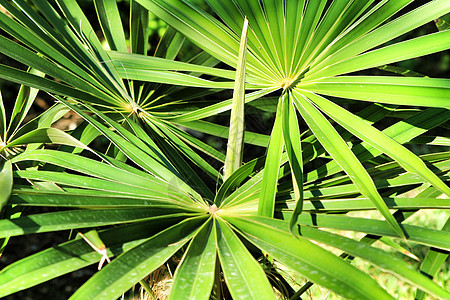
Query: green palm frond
(311, 65)
(347, 121)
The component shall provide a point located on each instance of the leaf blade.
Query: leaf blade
(135, 264)
(6, 182)
(237, 263)
(235, 145)
(267, 194)
(339, 150)
(307, 258)
(377, 139)
(194, 277)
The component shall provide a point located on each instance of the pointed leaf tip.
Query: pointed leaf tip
(235, 146)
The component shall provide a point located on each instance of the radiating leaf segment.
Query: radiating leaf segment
(145, 195)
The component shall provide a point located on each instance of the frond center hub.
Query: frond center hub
(213, 209)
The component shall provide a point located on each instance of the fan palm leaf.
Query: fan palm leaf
(303, 48)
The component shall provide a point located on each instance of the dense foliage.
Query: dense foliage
(141, 184)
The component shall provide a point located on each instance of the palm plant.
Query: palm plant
(144, 195)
